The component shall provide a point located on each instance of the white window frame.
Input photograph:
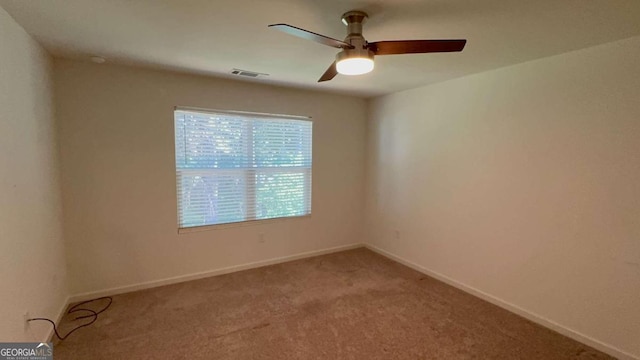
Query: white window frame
(249, 174)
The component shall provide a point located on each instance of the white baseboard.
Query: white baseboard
(596, 344)
(205, 274)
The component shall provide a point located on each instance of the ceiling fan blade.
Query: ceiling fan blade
(416, 46)
(305, 34)
(330, 73)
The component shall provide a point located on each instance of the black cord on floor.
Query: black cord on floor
(75, 308)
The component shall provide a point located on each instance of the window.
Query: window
(235, 167)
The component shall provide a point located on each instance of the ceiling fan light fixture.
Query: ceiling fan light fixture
(352, 62)
(354, 66)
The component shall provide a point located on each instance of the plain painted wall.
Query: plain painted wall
(118, 174)
(523, 183)
(32, 264)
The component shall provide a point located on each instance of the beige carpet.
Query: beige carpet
(349, 305)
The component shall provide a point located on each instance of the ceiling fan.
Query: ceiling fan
(356, 56)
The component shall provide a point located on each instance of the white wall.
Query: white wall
(523, 183)
(32, 265)
(118, 171)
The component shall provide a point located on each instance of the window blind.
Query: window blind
(235, 167)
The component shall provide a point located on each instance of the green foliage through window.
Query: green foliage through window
(233, 167)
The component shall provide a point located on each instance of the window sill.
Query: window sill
(239, 224)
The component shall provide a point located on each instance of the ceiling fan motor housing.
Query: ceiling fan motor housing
(354, 20)
(354, 53)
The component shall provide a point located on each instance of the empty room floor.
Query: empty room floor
(350, 305)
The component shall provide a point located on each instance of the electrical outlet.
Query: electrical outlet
(26, 318)
(261, 238)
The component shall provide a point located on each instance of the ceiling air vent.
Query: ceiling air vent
(247, 73)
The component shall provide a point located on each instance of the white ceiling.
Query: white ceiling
(212, 37)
